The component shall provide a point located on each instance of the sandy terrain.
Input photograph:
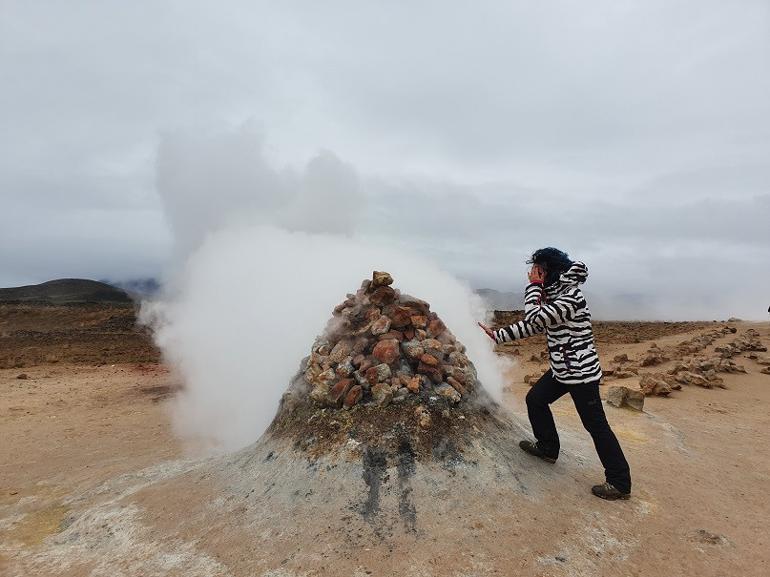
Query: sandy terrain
(87, 444)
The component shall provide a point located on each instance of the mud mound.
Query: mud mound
(369, 444)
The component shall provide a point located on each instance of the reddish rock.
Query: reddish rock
(358, 359)
(456, 385)
(345, 368)
(429, 360)
(398, 335)
(371, 375)
(430, 371)
(420, 334)
(386, 351)
(341, 350)
(457, 372)
(436, 327)
(339, 390)
(419, 306)
(353, 396)
(413, 383)
(373, 313)
(420, 321)
(401, 317)
(409, 333)
(381, 326)
(364, 366)
(382, 296)
(654, 385)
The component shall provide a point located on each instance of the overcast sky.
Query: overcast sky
(635, 135)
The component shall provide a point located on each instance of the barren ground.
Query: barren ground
(89, 423)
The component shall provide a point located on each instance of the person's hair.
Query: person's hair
(553, 261)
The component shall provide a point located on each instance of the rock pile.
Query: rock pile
(382, 347)
(700, 342)
(748, 341)
(654, 356)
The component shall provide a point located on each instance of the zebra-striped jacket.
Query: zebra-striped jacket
(561, 311)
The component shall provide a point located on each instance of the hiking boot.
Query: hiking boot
(535, 451)
(608, 492)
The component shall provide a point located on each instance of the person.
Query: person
(554, 304)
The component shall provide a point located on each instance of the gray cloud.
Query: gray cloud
(636, 135)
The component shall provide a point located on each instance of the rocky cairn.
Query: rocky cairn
(382, 347)
(387, 372)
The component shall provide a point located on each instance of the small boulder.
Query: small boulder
(619, 396)
(381, 326)
(354, 395)
(386, 351)
(380, 278)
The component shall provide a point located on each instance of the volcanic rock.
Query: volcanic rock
(619, 396)
(381, 279)
(651, 384)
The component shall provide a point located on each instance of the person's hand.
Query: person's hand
(536, 274)
(490, 332)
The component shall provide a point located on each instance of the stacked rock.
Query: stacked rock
(382, 346)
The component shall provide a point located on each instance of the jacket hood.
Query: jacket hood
(573, 276)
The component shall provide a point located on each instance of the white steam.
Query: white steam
(264, 258)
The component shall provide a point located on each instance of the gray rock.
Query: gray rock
(620, 396)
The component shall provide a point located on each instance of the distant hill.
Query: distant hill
(504, 301)
(139, 288)
(65, 291)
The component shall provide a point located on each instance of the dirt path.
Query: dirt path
(77, 437)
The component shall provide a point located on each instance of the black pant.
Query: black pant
(589, 407)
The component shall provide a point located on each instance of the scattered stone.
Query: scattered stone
(709, 538)
(654, 356)
(531, 379)
(22, 376)
(651, 384)
(621, 358)
(619, 396)
(765, 371)
(429, 360)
